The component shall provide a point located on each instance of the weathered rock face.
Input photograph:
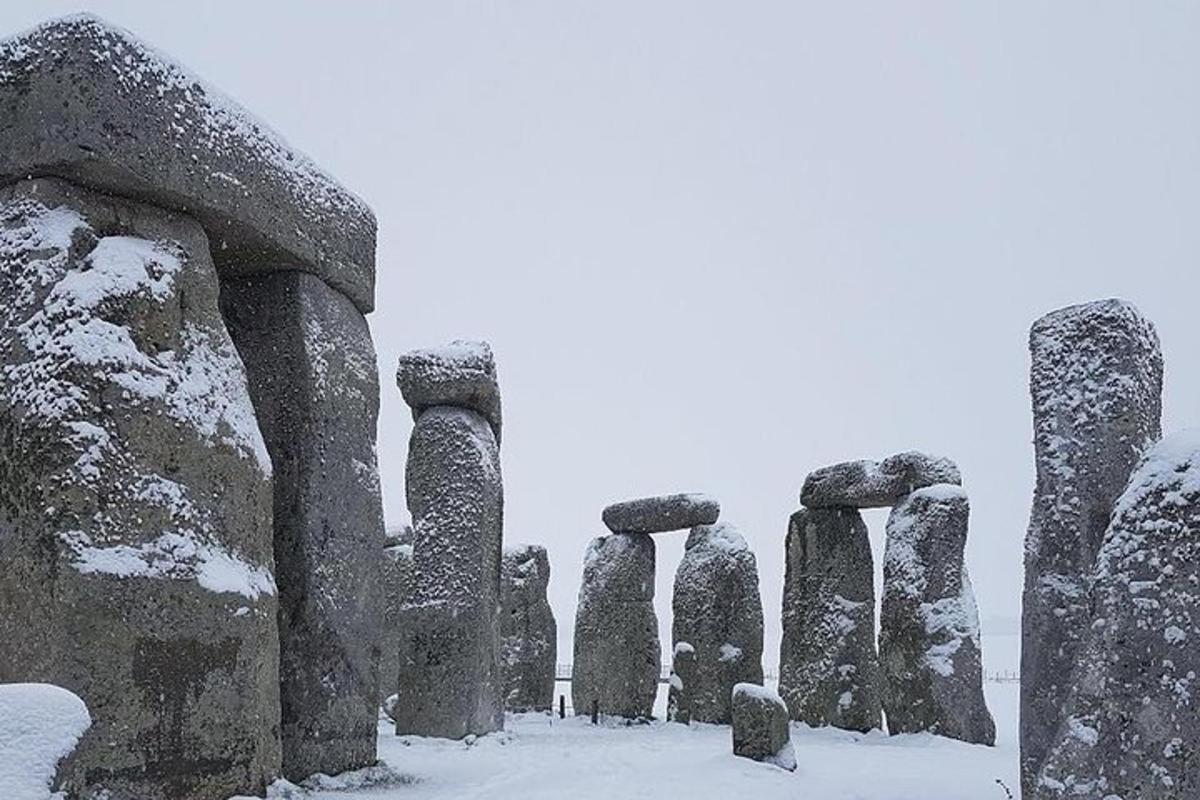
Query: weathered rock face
(528, 633)
(718, 611)
(760, 726)
(136, 561)
(398, 580)
(928, 623)
(672, 512)
(1096, 381)
(1129, 725)
(683, 670)
(461, 374)
(617, 656)
(315, 387)
(870, 484)
(828, 670)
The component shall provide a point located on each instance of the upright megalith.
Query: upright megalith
(1129, 726)
(870, 484)
(136, 564)
(398, 578)
(528, 633)
(760, 726)
(1096, 382)
(450, 683)
(828, 670)
(617, 658)
(928, 624)
(717, 613)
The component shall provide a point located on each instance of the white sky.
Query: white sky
(717, 245)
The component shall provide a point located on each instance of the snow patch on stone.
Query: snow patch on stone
(40, 724)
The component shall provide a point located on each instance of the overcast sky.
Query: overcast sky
(717, 245)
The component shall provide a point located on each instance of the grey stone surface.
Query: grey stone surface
(1096, 383)
(528, 633)
(928, 623)
(870, 484)
(683, 670)
(760, 726)
(314, 384)
(1129, 726)
(87, 101)
(450, 681)
(828, 670)
(399, 577)
(617, 656)
(717, 609)
(672, 512)
(461, 374)
(136, 561)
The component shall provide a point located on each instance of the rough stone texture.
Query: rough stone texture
(528, 633)
(617, 657)
(135, 499)
(672, 512)
(314, 383)
(461, 374)
(717, 610)
(450, 681)
(928, 622)
(87, 101)
(870, 484)
(399, 576)
(1096, 382)
(760, 726)
(828, 670)
(683, 670)
(1129, 725)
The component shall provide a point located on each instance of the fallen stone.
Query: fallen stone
(398, 579)
(828, 670)
(461, 374)
(717, 610)
(870, 484)
(136, 566)
(672, 512)
(1096, 381)
(683, 670)
(1130, 719)
(760, 726)
(528, 633)
(928, 622)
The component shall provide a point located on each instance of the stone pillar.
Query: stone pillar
(528, 633)
(136, 563)
(828, 670)
(717, 610)
(399, 578)
(928, 624)
(1096, 382)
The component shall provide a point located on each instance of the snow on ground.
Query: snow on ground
(39, 724)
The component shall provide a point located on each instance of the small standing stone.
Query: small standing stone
(672, 512)
(528, 633)
(760, 726)
(867, 484)
(683, 670)
(398, 579)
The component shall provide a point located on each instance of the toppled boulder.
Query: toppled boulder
(760, 726)
(617, 656)
(461, 374)
(717, 611)
(870, 484)
(1096, 381)
(672, 512)
(40, 725)
(398, 579)
(928, 624)
(828, 670)
(528, 633)
(1130, 720)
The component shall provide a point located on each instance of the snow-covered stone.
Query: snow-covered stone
(672, 512)
(1129, 725)
(398, 580)
(760, 726)
(528, 633)
(683, 668)
(461, 374)
(828, 670)
(1096, 382)
(928, 624)
(617, 657)
(136, 561)
(870, 484)
(128, 121)
(40, 725)
(315, 387)
(717, 612)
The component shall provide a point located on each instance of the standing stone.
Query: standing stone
(315, 387)
(928, 623)
(135, 499)
(867, 484)
(450, 683)
(683, 670)
(1096, 381)
(828, 670)
(760, 726)
(617, 657)
(1129, 725)
(528, 633)
(717, 610)
(398, 580)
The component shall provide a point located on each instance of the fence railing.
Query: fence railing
(562, 672)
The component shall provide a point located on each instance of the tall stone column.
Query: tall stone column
(528, 632)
